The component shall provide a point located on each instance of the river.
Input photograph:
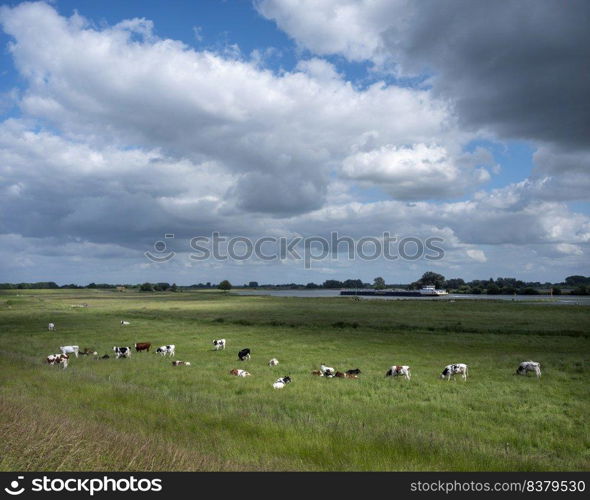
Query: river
(537, 299)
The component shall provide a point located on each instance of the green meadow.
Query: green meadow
(143, 414)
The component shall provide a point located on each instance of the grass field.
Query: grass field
(142, 414)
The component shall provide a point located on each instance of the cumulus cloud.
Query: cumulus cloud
(124, 136)
(413, 173)
(122, 85)
(515, 70)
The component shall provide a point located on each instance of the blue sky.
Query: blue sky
(124, 121)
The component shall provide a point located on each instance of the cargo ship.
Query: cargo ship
(426, 291)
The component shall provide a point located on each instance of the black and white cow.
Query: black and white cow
(455, 369)
(244, 354)
(166, 350)
(529, 366)
(356, 371)
(219, 344)
(282, 382)
(327, 371)
(122, 352)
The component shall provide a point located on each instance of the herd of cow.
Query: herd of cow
(450, 371)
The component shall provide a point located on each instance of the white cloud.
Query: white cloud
(476, 255)
(413, 173)
(125, 136)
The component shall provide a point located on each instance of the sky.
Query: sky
(130, 130)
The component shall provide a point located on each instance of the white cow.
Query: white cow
(529, 366)
(69, 349)
(219, 344)
(273, 362)
(239, 373)
(167, 350)
(399, 370)
(125, 323)
(452, 370)
(51, 327)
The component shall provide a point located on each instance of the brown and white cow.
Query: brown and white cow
(181, 363)
(239, 373)
(399, 370)
(58, 359)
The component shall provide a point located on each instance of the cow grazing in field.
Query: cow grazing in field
(88, 351)
(273, 362)
(181, 363)
(59, 359)
(345, 375)
(51, 327)
(125, 323)
(281, 382)
(70, 349)
(219, 344)
(318, 373)
(122, 352)
(244, 354)
(456, 369)
(239, 373)
(356, 371)
(529, 366)
(142, 346)
(167, 350)
(327, 371)
(399, 370)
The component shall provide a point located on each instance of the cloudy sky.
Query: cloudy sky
(463, 120)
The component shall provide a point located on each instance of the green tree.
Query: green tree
(146, 287)
(225, 285)
(379, 283)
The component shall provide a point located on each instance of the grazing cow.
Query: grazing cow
(282, 382)
(67, 349)
(167, 350)
(452, 370)
(51, 327)
(273, 362)
(142, 346)
(317, 373)
(125, 323)
(395, 371)
(327, 371)
(219, 344)
(239, 373)
(529, 366)
(87, 352)
(122, 352)
(244, 354)
(356, 371)
(60, 359)
(181, 363)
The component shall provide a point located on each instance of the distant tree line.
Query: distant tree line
(574, 285)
